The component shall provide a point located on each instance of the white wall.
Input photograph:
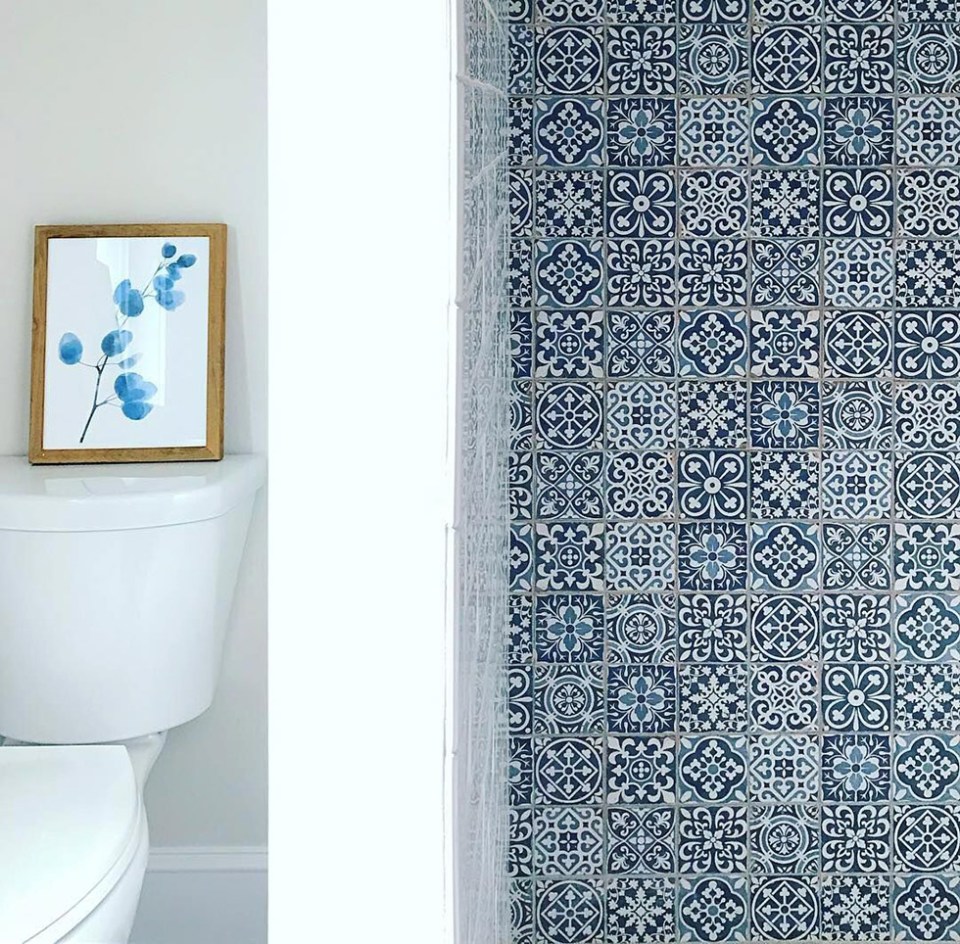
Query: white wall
(128, 111)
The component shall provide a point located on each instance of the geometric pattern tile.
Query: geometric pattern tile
(734, 635)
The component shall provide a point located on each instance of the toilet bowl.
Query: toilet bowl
(73, 824)
(115, 588)
(74, 844)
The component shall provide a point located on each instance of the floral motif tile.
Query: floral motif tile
(732, 652)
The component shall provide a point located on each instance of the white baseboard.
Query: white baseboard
(208, 859)
(203, 895)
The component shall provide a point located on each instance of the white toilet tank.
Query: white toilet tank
(115, 588)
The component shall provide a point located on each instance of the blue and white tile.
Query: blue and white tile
(856, 907)
(712, 839)
(568, 699)
(786, 59)
(712, 555)
(785, 203)
(569, 484)
(520, 771)
(858, 344)
(521, 911)
(712, 769)
(569, 911)
(640, 415)
(926, 838)
(521, 556)
(568, 771)
(713, 202)
(713, 908)
(856, 837)
(927, 627)
(569, 556)
(927, 697)
(928, 202)
(928, 273)
(642, 699)
(784, 697)
(711, 272)
(520, 849)
(641, 628)
(785, 273)
(857, 697)
(858, 414)
(785, 838)
(858, 58)
(714, 132)
(568, 841)
(713, 343)
(569, 415)
(569, 628)
(640, 910)
(712, 414)
(856, 485)
(855, 627)
(569, 203)
(784, 484)
(784, 768)
(785, 342)
(520, 485)
(784, 414)
(569, 60)
(712, 697)
(519, 645)
(639, 484)
(641, 344)
(640, 556)
(858, 202)
(566, 132)
(926, 907)
(927, 416)
(712, 484)
(641, 60)
(858, 131)
(569, 344)
(926, 556)
(641, 132)
(520, 699)
(858, 273)
(569, 273)
(927, 58)
(926, 768)
(927, 344)
(927, 485)
(713, 59)
(641, 203)
(641, 273)
(641, 840)
(785, 628)
(786, 131)
(784, 908)
(641, 770)
(856, 767)
(712, 628)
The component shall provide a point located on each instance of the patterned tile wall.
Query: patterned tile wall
(480, 739)
(734, 655)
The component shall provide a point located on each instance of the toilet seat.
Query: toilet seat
(70, 822)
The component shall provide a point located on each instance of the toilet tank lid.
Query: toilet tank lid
(69, 817)
(122, 496)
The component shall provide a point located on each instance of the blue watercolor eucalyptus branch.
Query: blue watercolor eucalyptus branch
(131, 392)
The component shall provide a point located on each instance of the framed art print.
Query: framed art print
(128, 343)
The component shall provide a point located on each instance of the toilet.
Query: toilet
(116, 584)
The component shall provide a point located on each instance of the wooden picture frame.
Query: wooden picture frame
(58, 259)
